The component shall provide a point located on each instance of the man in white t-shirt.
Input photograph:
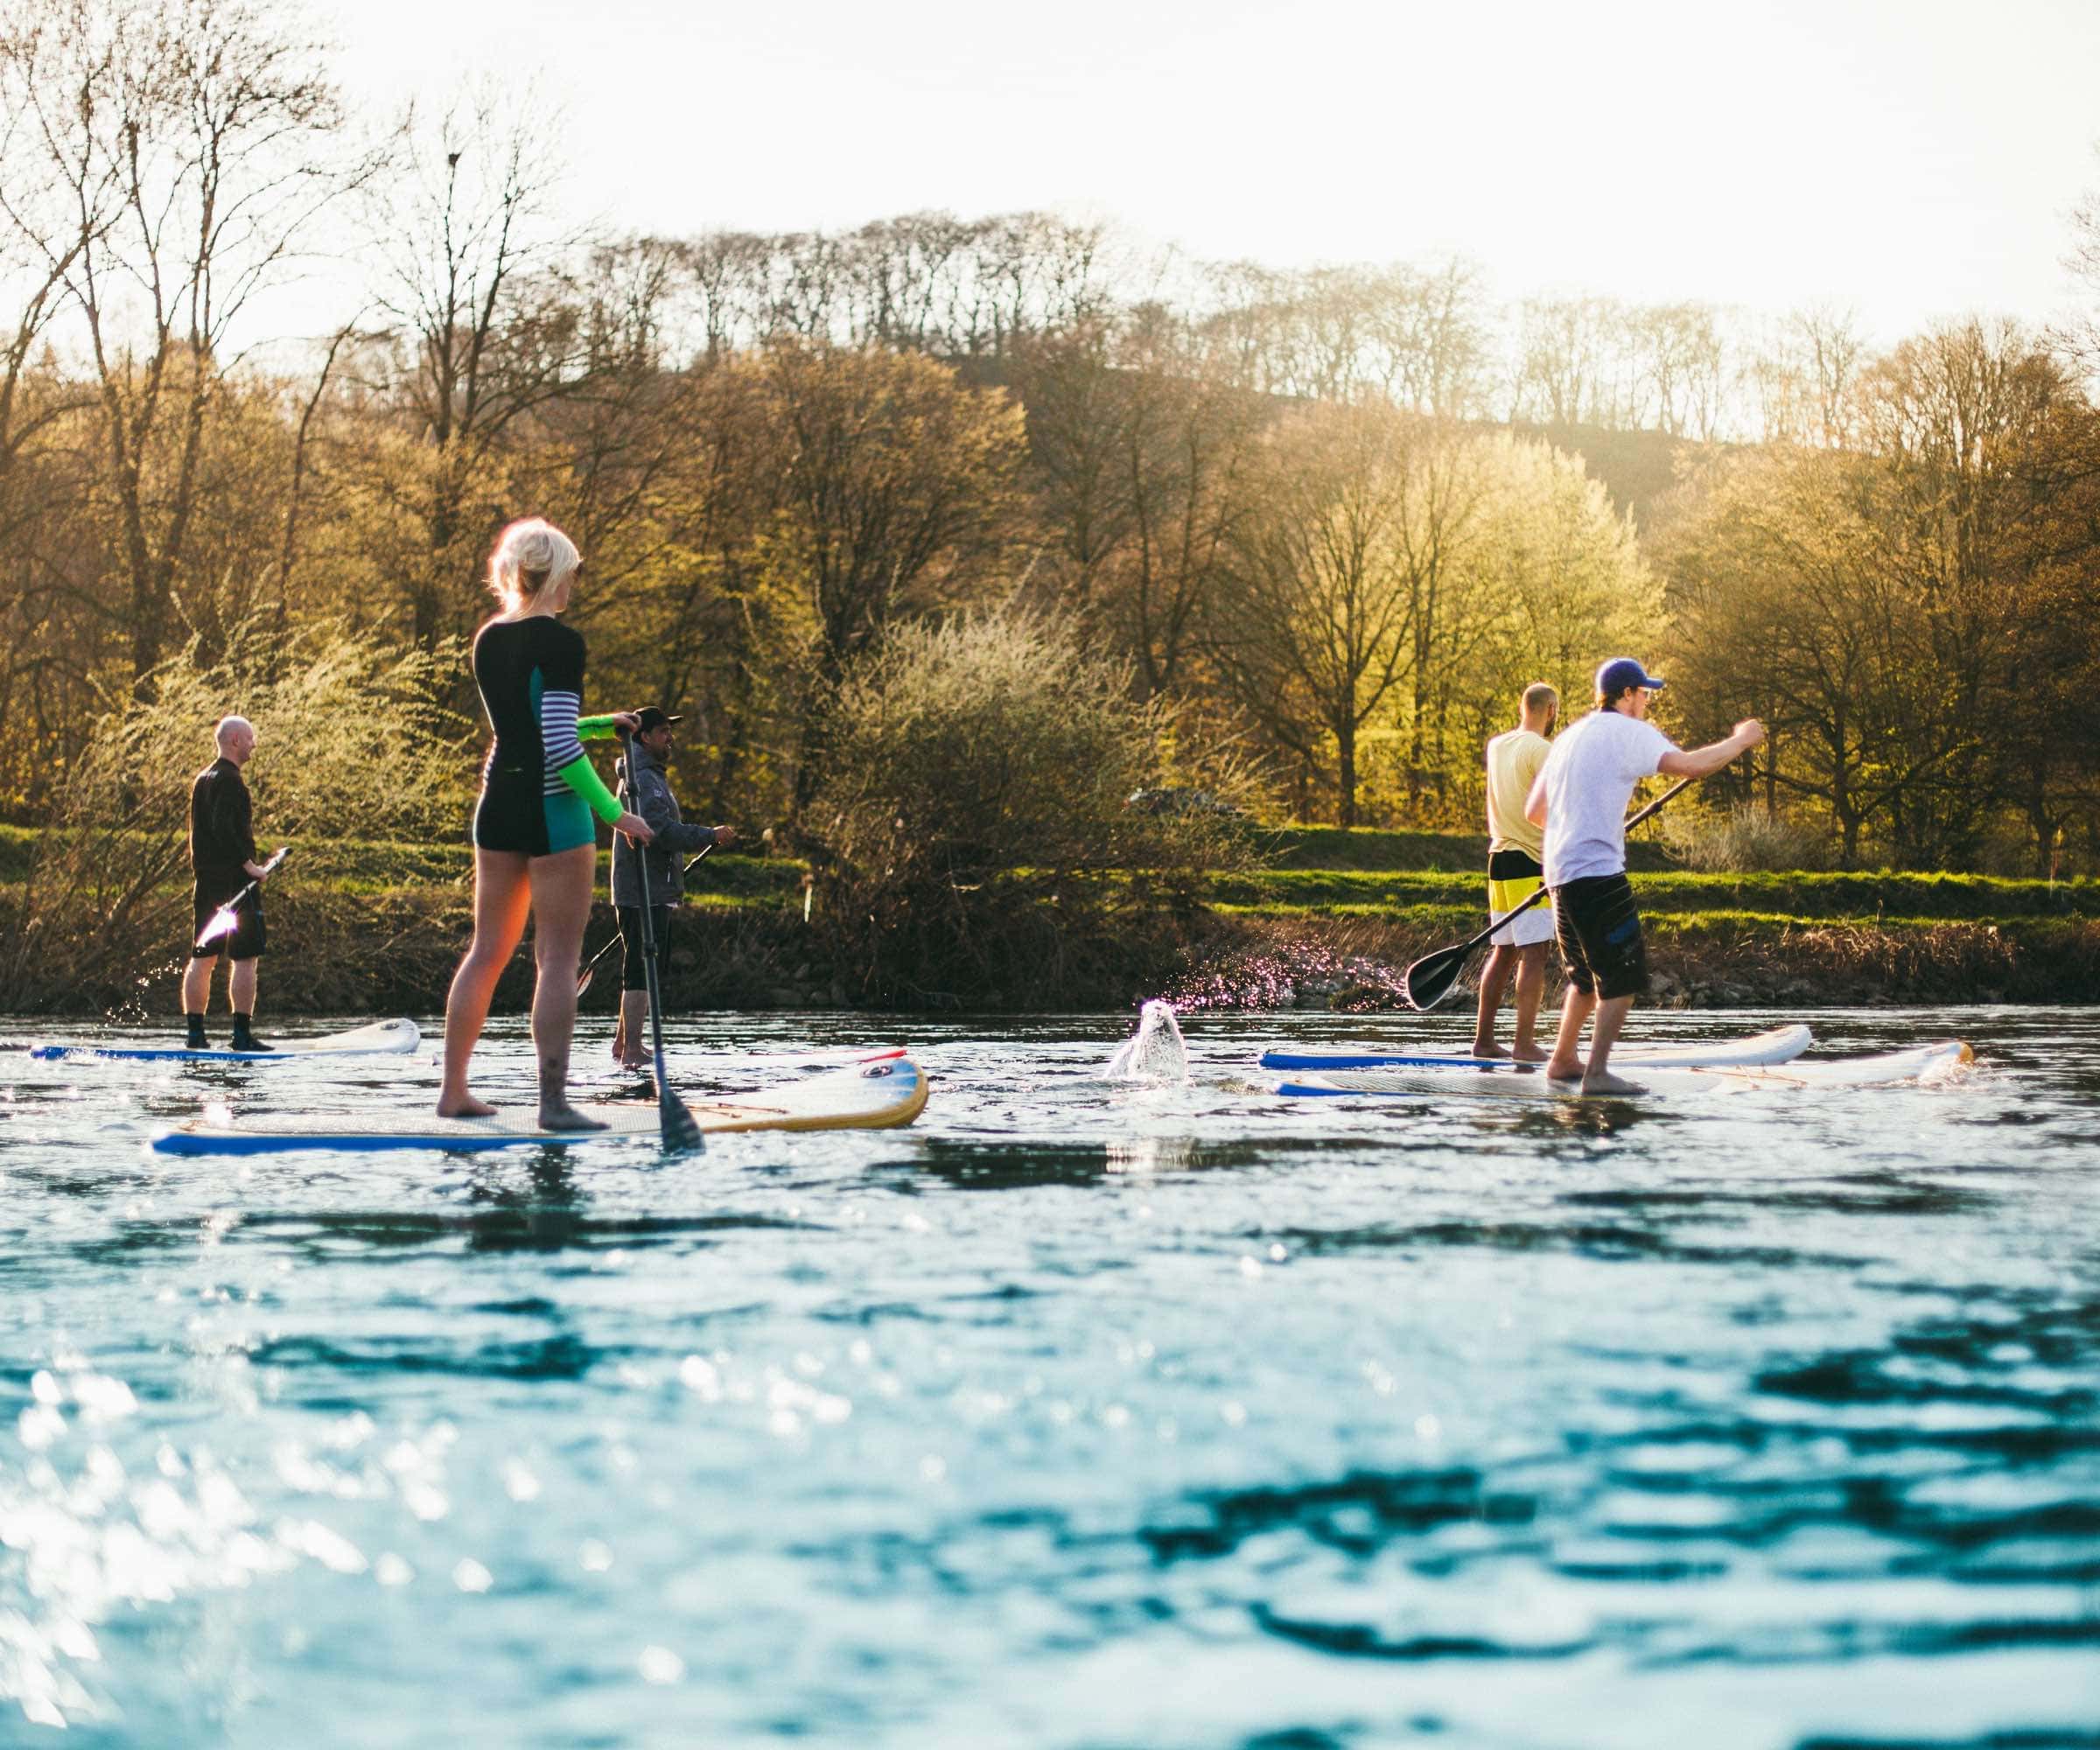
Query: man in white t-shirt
(1580, 799)
(1515, 850)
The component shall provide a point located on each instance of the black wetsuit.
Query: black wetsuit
(538, 787)
(222, 843)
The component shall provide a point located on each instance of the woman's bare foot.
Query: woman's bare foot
(1606, 1082)
(1491, 1049)
(1568, 1069)
(1530, 1053)
(566, 1117)
(465, 1106)
(634, 1066)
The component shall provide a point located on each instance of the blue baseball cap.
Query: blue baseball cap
(1622, 672)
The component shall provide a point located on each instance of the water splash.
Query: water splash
(138, 1008)
(1156, 1052)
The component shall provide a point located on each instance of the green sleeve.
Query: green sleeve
(582, 776)
(595, 729)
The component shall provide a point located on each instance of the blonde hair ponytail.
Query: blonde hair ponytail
(529, 555)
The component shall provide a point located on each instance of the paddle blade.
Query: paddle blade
(680, 1130)
(1428, 982)
(224, 921)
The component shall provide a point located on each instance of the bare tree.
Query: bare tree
(2078, 338)
(896, 484)
(1565, 368)
(1804, 380)
(1429, 326)
(1315, 622)
(1684, 363)
(468, 235)
(1189, 446)
(193, 143)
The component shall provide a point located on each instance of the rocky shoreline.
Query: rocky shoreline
(393, 954)
(1353, 967)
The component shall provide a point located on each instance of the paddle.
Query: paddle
(1428, 982)
(583, 983)
(680, 1131)
(226, 919)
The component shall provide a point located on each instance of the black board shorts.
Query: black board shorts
(635, 960)
(1600, 934)
(245, 943)
(515, 813)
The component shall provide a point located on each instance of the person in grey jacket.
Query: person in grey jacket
(646, 790)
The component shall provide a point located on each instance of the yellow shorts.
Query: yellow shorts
(1534, 926)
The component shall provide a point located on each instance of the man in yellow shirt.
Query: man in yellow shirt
(1515, 865)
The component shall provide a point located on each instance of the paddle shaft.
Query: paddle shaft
(1428, 981)
(583, 983)
(679, 1129)
(212, 928)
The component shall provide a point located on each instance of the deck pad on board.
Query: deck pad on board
(886, 1091)
(1525, 1082)
(1780, 1044)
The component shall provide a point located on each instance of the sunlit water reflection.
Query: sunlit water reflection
(1085, 1413)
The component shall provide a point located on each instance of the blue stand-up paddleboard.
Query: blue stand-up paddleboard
(1500, 1079)
(1780, 1044)
(379, 1038)
(875, 1095)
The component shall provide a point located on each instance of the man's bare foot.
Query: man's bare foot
(1569, 1069)
(1530, 1053)
(1491, 1049)
(466, 1107)
(1606, 1082)
(566, 1117)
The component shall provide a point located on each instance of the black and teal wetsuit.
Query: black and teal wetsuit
(538, 789)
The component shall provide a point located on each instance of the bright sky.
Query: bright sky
(1911, 157)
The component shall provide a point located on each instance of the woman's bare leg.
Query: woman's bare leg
(502, 900)
(561, 907)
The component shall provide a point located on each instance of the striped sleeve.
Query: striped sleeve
(557, 727)
(567, 763)
(561, 654)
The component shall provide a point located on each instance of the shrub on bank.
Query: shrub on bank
(976, 800)
(1748, 839)
(345, 746)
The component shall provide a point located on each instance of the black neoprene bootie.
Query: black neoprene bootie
(197, 1041)
(243, 1039)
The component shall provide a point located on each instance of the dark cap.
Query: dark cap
(650, 717)
(1621, 672)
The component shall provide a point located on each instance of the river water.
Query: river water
(1082, 1414)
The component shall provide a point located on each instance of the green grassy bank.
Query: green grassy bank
(376, 927)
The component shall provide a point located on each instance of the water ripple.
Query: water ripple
(1225, 1421)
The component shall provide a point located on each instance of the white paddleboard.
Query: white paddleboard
(1501, 1080)
(378, 1038)
(871, 1096)
(1780, 1044)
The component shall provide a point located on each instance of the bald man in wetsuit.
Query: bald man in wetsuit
(223, 856)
